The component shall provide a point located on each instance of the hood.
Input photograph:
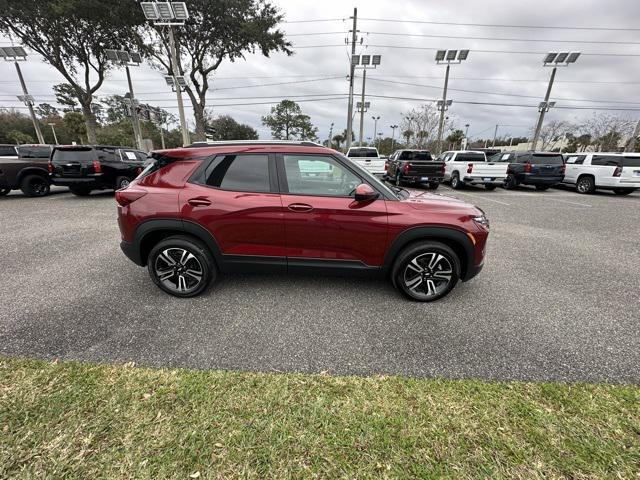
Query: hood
(431, 201)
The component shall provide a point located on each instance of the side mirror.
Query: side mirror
(364, 193)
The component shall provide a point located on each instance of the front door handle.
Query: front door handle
(300, 207)
(199, 202)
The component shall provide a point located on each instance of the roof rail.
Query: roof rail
(305, 143)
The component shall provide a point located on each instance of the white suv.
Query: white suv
(619, 172)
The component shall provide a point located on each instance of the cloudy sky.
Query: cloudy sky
(504, 66)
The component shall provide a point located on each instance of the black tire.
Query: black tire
(489, 186)
(122, 182)
(4, 191)
(623, 191)
(434, 185)
(585, 184)
(35, 186)
(456, 183)
(182, 280)
(510, 182)
(80, 191)
(440, 271)
(542, 188)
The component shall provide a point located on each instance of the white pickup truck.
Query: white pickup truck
(468, 167)
(368, 158)
(619, 172)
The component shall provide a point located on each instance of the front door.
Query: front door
(323, 222)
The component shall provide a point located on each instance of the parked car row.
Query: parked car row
(82, 168)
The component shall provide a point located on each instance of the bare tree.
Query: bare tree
(606, 130)
(422, 122)
(552, 134)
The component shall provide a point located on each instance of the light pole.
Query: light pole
(466, 136)
(331, 135)
(447, 57)
(393, 135)
(495, 134)
(170, 14)
(365, 62)
(555, 60)
(375, 128)
(352, 66)
(18, 54)
(53, 130)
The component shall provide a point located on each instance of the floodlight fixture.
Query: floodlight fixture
(135, 57)
(573, 56)
(451, 55)
(375, 59)
(26, 99)
(463, 54)
(150, 11)
(165, 11)
(551, 104)
(562, 56)
(355, 59)
(112, 55)
(550, 57)
(440, 54)
(180, 11)
(169, 80)
(123, 56)
(13, 53)
(181, 81)
(365, 60)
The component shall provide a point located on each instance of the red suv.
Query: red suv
(291, 207)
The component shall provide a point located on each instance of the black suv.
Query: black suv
(83, 168)
(414, 166)
(540, 169)
(25, 170)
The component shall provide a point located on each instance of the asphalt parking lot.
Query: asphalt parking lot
(559, 299)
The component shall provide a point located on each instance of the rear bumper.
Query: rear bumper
(131, 252)
(419, 179)
(482, 181)
(536, 180)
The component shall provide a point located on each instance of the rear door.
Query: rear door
(235, 197)
(324, 224)
(573, 163)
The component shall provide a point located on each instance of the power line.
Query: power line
(497, 25)
(394, 34)
(317, 20)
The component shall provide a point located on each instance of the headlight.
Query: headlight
(481, 220)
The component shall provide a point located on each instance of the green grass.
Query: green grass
(74, 420)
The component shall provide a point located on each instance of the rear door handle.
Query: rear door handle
(199, 202)
(300, 207)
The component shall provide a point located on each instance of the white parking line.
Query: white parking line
(455, 192)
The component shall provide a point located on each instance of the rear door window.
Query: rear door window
(607, 160)
(239, 173)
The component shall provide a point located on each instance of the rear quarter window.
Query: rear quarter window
(607, 160)
(631, 161)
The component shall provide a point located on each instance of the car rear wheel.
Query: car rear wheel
(542, 188)
(456, 184)
(510, 182)
(80, 191)
(489, 186)
(585, 185)
(122, 182)
(4, 191)
(623, 191)
(35, 186)
(181, 266)
(426, 271)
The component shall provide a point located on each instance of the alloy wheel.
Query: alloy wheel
(584, 186)
(428, 274)
(178, 270)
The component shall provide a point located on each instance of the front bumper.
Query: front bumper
(472, 272)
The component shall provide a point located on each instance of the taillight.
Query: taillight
(405, 168)
(50, 167)
(97, 168)
(386, 166)
(563, 169)
(442, 168)
(469, 167)
(617, 171)
(129, 195)
(509, 169)
(527, 168)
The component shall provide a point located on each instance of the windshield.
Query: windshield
(418, 155)
(541, 159)
(370, 178)
(363, 152)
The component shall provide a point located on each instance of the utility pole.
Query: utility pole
(443, 108)
(364, 82)
(495, 134)
(174, 70)
(393, 135)
(466, 136)
(29, 103)
(352, 68)
(331, 135)
(544, 107)
(375, 128)
(137, 132)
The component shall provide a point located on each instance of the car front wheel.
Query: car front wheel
(585, 185)
(181, 266)
(426, 271)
